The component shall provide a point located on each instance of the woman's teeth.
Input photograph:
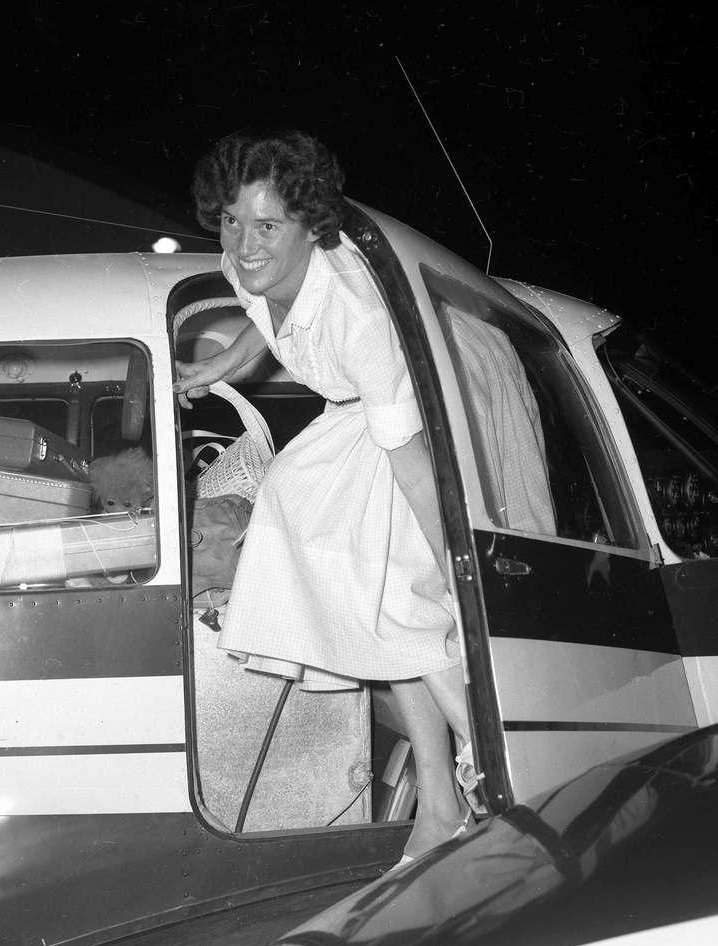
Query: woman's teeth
(253, 264)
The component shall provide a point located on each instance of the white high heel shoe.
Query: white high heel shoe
(468, 778)
(405, 859)
(462, 829)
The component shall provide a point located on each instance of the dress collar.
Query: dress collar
(311, 293)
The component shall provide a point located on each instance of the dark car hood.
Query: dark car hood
(627, 846)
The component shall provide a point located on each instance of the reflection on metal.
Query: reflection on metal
(463, 568)
(590, 860)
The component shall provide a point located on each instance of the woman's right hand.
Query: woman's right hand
(240, 360)
(195, 377)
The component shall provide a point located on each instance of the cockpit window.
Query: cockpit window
(542, 460)
(77, 476)
(675, 436)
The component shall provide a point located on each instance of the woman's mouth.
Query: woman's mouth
(252, 265)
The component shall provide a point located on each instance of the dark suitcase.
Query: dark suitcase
(25, 447)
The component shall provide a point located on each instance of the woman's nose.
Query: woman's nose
(246, 242)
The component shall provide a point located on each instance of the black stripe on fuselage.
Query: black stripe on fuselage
(548, 725)
(91, 750)
(126, 631)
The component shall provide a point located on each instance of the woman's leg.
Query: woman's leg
(439, 811)
(447, 689)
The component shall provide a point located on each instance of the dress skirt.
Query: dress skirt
(336, 582)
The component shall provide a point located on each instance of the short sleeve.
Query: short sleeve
(374, 362)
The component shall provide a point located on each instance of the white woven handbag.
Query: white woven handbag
(239, 468)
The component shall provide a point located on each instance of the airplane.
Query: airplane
(147, 781)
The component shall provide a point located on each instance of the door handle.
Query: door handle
(508, 566)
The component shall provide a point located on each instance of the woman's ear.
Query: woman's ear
(312, 236)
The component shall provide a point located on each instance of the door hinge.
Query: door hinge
(463, 569)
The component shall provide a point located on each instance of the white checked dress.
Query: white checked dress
(336, 581)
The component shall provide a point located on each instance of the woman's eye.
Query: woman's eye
(229, 220)
(268, 227)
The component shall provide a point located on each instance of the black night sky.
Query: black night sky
(585, 132)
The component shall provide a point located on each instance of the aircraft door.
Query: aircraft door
(585, 657)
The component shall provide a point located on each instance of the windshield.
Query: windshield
(672, 420)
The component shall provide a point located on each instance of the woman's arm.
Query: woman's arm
(414, 473)
(239, 361)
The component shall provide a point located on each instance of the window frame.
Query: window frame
(602, 440)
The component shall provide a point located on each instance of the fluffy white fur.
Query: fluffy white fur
(123, 481)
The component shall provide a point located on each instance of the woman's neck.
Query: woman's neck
(278, 312)
(280, 298)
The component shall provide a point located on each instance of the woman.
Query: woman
(343, 571)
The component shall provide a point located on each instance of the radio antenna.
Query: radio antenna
(451, 163)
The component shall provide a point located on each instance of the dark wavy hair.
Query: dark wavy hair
(304, 173)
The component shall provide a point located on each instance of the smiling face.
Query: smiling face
(269, 250)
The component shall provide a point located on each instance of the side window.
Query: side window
(76, 466)
(541, 457)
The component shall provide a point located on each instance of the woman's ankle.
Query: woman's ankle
(430, 831)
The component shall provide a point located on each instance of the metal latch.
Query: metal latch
(463, 568)
(508, 566)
